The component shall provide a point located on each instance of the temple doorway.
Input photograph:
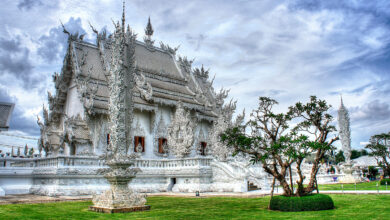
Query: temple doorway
(72, 150)
(171, 184)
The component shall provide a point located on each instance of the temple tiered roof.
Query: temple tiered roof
(161, 77)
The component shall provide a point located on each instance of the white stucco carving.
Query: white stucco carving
(180, 132)
(143, 87)
(121, 80)
(161, 132)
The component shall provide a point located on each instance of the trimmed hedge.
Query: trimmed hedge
(383, 182)
(312, 202)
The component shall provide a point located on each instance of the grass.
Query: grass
(359, 186)
(346, 207)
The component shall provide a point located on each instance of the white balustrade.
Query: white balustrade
(172, 163)
(70, 161)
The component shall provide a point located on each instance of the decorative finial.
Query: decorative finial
(341, 100)
(64, 29)
(148, 38)
(149, 29)
(123, 16)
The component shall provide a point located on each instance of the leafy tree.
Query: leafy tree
(356, 154)
(372, 171)
(379, 146)
(268, 139)
(25, 150)
(340, 157)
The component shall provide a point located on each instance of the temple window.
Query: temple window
(138, 140)
(203, 146)
(108, 139)
(161, 143)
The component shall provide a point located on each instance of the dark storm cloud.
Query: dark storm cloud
(15, 60)
(14, 57)
(376, 7)
(53, 46)
(18, 121)
(28, 4)
(4, 97)
(373, 111)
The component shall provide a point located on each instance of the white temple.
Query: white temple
(177, 119)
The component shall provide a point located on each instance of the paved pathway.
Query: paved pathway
(29, 198)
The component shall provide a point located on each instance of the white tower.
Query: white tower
(345, 131)
(345, 136)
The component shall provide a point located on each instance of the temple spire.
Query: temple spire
(149, 29)
(148, 35)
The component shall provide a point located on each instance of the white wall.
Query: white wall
(74, 106)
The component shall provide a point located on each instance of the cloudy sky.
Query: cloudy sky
(287, 50)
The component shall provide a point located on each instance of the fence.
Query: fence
(70, 161)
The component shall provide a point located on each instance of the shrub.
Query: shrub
(332, 169)
(312, 202)
(383, 182)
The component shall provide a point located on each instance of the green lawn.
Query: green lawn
(359, 186)
(347, 207)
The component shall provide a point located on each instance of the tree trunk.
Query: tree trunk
(281, 177)
(286, 187)
(272, 192)
(273, 187)
(314, 170)
(291, 180)
(300, 188)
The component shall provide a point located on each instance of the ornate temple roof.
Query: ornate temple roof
(161, 77)
(365, 161)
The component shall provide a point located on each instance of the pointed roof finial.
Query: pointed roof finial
(123, 16)
(341, 100)
(149, 29)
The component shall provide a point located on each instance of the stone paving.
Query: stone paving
(29, 198)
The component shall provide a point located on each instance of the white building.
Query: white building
(177, 120)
